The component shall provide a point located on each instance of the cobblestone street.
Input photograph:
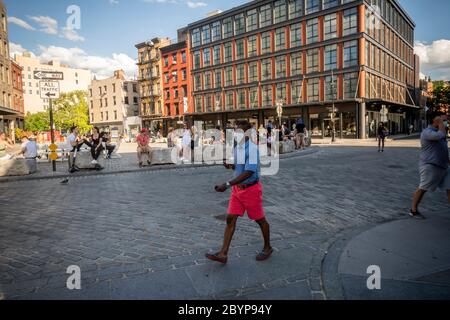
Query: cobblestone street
(143, 235)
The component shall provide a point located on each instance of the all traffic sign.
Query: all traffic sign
(48, 75)
(49, 89)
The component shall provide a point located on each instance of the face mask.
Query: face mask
(446, 124)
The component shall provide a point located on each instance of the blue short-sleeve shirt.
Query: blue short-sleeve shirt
(246, 158)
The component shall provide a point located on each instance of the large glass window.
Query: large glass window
(196, 38)
(312, 6)
(350, 85)
(330, 87)
(227, 52)
(252, 46)
(329, 4)
(229, 76)
(196, 55)
(312, 31)
(252, 20)
(280, 66)
(227, 28)
(229, 100)
(267, 96)
(253, 72)
(241, 99)
(295, 8)
(280, 39)
(296, 64)
(240, 49)
(281, 92)
(279, 11)
(198, 82)
(312, 60)
(296, 35)
(313, 90)
(206, 34)
(350, 54)
(266, 66)
(329, 26)
(296, 92)
(239, 24)
(206, 57)
(265, 16)
(240, 74)
(208, 80)
(266, 42)
(350, 24)
(216, 31)
(216, 55)
(198, 100)
(218, 78)
(330, 57)
(254, 97)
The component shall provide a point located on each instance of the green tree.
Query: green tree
(37, 122)
(72, 109)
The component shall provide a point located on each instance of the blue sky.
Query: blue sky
(111, 28)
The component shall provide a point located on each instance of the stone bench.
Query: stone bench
(287, 146)
(17, 167)
(84, 159)
(162, 156)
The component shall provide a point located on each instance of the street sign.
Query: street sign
(49, 89)
(53, 147)
(53, 156)
(48, 75)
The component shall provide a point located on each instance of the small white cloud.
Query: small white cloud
(15, 48)
(113, 1)
(71, 34)
(48, 24)
(194, 5)
(20, 23)
(434, 58)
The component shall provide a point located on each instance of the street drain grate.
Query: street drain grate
(222, 217)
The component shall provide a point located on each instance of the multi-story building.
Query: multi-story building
(74, 79)
(150, 82)
(114, 105)
(306, 55)
(176, 84)
(17, 99)
(8, 115)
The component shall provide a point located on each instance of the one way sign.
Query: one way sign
(48, 75)
(49, 89)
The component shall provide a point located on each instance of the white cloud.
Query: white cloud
(102, 67)
(113, 1)
(49, 25)
(434, 58)
(15, 48)
(71, 34)
(20, 23)
(194, 5)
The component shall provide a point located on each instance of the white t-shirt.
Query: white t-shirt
(31, 149)
(71, 139)
(187, 138)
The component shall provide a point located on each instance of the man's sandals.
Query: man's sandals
(262, 256)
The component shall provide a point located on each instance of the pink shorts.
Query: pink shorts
(249, 200)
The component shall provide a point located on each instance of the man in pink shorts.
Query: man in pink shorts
(246, 195)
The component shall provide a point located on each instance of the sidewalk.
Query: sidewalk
(413, 256)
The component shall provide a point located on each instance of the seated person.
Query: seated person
(109, 147)
(143, 141)
(5, 145)
(28, 148)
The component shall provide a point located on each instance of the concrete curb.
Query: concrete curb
(297, 154)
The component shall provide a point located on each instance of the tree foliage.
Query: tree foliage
(71, 109)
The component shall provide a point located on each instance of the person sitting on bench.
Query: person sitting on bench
(143, 147)
(75, 144)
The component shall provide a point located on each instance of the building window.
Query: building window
(115, 100)
(207, 80)
(350, 54)
(166, 61)
(216, 31)
(330, 87)
(206, 35)
(216, 55)
(241, 99)
(240, 52)
(296, 35)
(267, 96)
(196, 59)
(296, 64)
(280, 39)
(183, 56)
(329, 4)
(266, 65)
(296, 92)
(252, 46)
(228, 52)
(218, 79)
(330, 59)
(183, 74)
(266, 43)
(312, 60)
(239, 24)
(166, 78)
(295, 8)
(115, 115)
(196, 38)
(312, 6)
(281, 92)
(229, 100)
(240, 74)
(313, 90)
(265, 16)
(229, 76)
(253, 72)
(279, 11)
(197, 82)
(198, 104)
(206, 57)
(329, 26)
(350, 24)
(254, 97)
(280, 67)
(252, 20)
(350, 85)
(312, 31)
(174, 58)
(227, 28)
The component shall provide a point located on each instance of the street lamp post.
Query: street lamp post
(333, 108)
